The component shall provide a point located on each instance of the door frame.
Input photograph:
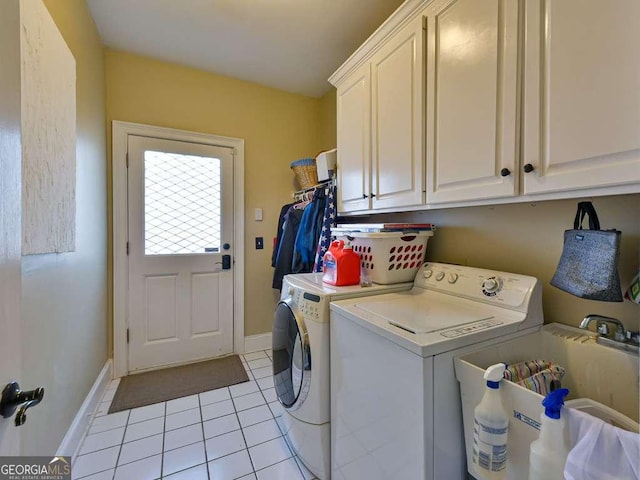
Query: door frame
(120, 132)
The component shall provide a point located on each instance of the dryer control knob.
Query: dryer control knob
(453, 278)
(290, 292)
(491, 285)
(439, 276)
(427, 273)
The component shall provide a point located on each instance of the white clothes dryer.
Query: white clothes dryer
(301, 362)
(395, 401)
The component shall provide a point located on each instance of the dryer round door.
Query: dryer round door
(291, 356)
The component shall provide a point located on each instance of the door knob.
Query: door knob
(505, 172)
(528, 168)
(13, 397)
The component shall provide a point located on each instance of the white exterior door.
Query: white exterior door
(180, 206)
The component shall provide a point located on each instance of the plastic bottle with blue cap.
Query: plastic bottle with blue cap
(548, 454)
(490, 429)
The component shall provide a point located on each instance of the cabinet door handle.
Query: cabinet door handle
(372, 195)
(364, 195)
(505, 172)
(528, 168)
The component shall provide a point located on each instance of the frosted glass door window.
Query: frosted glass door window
(181, 204)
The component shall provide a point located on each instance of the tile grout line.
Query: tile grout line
(204, 440)
(242, 430)
(164, 424)
(244, 439)
(115, 467)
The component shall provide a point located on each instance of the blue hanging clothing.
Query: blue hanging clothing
(328, 222)
(306, 243)
(285, 248)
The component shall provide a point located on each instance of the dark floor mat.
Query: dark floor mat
(161, 385)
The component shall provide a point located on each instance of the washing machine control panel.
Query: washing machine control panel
(471, 328)
(489, 286)
(309, 304)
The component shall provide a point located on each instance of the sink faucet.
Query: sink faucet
(602, 326)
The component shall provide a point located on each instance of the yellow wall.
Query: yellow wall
(527, 238)
(277, 128)
(64, 296)
(327, 128)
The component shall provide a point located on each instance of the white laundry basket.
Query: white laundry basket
(389, 257)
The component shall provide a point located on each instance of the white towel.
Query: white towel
(600, 450)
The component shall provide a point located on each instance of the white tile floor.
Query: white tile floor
(229, 433)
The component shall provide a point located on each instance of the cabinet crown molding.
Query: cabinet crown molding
(398, 19)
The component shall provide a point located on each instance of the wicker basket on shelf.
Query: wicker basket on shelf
(305, 172)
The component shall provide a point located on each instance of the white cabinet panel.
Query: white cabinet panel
(397, 120)
(472, 51)
(473, 102)
(354, 141)
(581, 100)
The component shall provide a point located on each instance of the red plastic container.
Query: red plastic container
(341, 265)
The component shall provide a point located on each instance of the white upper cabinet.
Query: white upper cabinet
(380, 126)
(472, 102)
(354, 141)
(581, 94)
(397, 87)
(472, 75)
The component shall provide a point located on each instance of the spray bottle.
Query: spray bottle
(490, 428)
(548, 454)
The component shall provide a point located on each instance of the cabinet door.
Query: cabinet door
(472, 56)
(397, 86)
(354, 141)
(581, 94)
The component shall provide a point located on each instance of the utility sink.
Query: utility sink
(603, 382)
(627, 346)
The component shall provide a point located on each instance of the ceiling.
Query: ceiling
(292, 45)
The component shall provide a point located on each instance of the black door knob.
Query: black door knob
(13, 397)
(528, 168)
(505, 172)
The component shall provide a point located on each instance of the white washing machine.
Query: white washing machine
(395, 401)
(301, 362)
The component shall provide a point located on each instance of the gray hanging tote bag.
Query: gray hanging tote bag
(588, 267)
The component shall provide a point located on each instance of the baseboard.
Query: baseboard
(254, 343)
(73, 439)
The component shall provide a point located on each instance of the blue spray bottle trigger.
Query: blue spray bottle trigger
(553, 402)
